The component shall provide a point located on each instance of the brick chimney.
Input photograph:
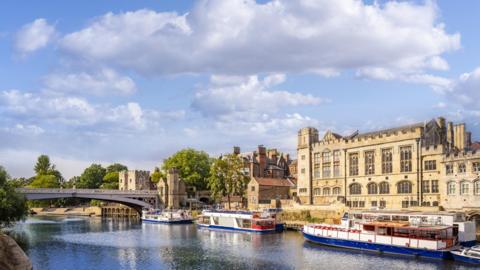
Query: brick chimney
(262, 159)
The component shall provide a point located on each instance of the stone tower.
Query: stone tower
(306, 137)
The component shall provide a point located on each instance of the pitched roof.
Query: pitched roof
(277, 182)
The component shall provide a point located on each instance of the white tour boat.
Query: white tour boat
(258, 222)
(167, 216)
(409, 233)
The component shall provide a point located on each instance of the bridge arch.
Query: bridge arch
(133, 199)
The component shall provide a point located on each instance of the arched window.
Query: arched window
(451, 187)
(336, 190)
(326, 191)
(476, 187)
(372, 188)
(404, 187)
(355, 189)
(464, 188)
(384, 188)
(316, 192)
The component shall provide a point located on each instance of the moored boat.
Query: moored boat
(258, 222)
(387, 235)
(167, 216)
(467, 255)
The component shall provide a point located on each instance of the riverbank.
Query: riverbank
(68, 211)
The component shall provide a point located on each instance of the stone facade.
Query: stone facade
(134, 180)
(173, 191)
(397, 168)
(261, 191)
(265, 162)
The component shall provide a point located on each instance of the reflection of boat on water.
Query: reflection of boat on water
(408, 233)
(167, 216)
(258, 222)
(467, 255)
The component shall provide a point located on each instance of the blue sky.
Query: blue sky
(135, 81)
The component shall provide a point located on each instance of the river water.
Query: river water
(96, 243)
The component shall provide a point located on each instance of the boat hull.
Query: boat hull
(185, 221)
(216, 227)
(464, 259)
(435, 254)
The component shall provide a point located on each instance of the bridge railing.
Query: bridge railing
(87, 191)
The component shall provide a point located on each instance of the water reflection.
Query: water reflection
(95, 243)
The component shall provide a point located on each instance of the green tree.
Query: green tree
(157, 175)
(110, 181)
(116, 167)
(43, 166)
(227, 178)
(92, 177)
(193, 167)
(13, 206)
(45, 181)
(21, 182)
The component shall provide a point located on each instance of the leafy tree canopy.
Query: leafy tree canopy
(193, 166)
(44, 167)
(45, 181)
(116, 167)
(157, 175)
(13, 206)
(92, 177)
(227, 177)
(110, 181)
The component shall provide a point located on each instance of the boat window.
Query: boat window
(247, 223)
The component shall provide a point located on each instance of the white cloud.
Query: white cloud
(245, 37)
(34, 36)
(20, 129)
(466, 90)
(230, 95)
(103, 82)
(78, 112)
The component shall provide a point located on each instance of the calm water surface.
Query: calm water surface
(95, 243)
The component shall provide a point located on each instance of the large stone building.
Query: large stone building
(426, 164)
(173, 191)
(134, 180)
(269, 173)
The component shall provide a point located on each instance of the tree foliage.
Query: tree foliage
(13, 206)
(110, 181)
(193, 167)
(92, 177)
(157, 175)
(43, 166)
(227, 178)
(116, 167)
(45, 181)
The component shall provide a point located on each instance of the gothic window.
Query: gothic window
(373, 203)
(336, 190)
(369, 162)
(476, 167)
(405, 159)
(353, 157)
(316, 158)
(316, 170)
(404, 187)
(326, 191)
(336, 163)
(434, 186)
(384, 188)
(316, 192)
(426, 186)
(387, 160)
(372, 188)
(449, 168)
(476, 187)
(451, 188)
(355, 189)
(464, 188)
(326, 164)
(430, 165)
(462, 168)
(383, 204)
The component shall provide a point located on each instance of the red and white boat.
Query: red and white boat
(246, 221)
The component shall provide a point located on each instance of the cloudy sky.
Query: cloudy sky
(135, 81)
